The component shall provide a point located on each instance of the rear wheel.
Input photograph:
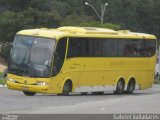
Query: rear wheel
(29, 93)
(131, 87)
(120, 87)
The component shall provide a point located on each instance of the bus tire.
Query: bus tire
(67, 88)
(120, 87)
(131, 86)
(29, 93)
(97, 93)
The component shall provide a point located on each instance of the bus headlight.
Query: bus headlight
(40, 83)
(10, 79)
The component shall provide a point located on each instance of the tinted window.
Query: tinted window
(41, 51)
(31, 56)
(91, 47)
(74, 48)
(138, 48)
(59, 56)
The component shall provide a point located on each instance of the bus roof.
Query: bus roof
(70, 31)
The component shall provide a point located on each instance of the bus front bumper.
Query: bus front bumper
(25, 87)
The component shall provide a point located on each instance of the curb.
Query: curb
(3, 85)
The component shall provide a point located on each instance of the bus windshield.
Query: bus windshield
(31, 56)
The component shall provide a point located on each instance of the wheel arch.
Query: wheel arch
(131, 78)
(70, 81)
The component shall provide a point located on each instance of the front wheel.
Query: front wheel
(67, 88)
(29, 93)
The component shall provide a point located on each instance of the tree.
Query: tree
(97, 24)
(136, 15)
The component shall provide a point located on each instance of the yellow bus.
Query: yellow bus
(81, 59)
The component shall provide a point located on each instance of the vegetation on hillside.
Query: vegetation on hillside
(136, 15)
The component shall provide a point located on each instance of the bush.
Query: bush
(4, 52)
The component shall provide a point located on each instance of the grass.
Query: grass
(1, 74)
(2, 81)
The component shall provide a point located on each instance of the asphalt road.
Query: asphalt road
(146, 101)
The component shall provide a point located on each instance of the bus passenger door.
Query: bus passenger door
(74, 65)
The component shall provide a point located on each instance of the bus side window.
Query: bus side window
(59, 56)
(73, 48)
(78, 47)
(150, 47)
